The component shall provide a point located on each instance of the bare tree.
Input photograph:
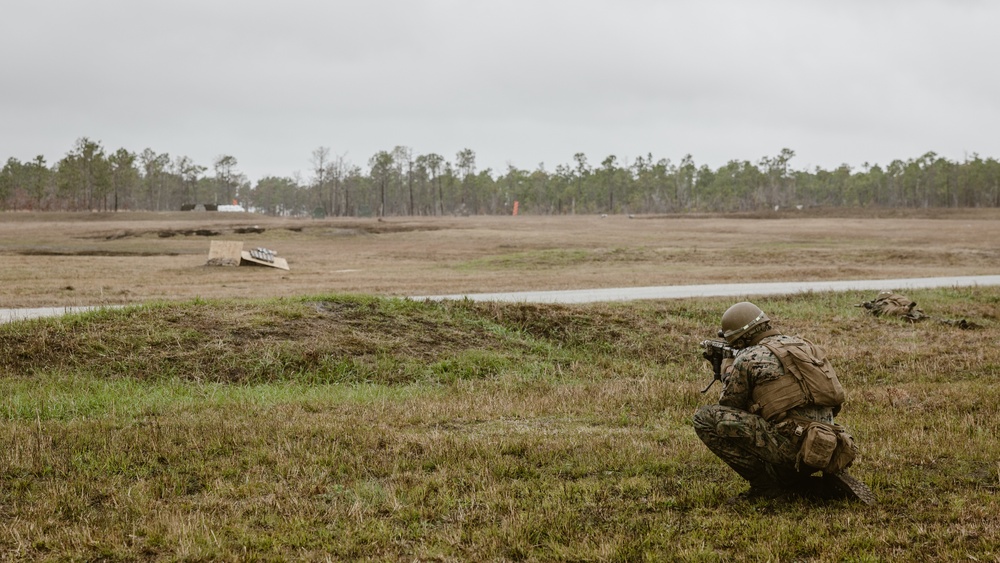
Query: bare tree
(381, 171)
(188, 173)
(433, 163)
(320, 162)
(465, 161)
(227, 179)
(124, 176)
(403, 158)
(336, 171)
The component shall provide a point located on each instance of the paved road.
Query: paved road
(8, 315)
(710, 290)
(633, 293)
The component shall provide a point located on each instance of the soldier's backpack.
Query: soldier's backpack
(812, 380)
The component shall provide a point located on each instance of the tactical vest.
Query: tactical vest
(809, 380)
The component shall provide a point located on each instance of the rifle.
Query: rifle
(715, 352)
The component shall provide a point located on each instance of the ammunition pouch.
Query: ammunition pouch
(825, 447)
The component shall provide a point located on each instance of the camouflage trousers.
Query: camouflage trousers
(762, 453)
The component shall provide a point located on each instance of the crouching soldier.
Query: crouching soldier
(774, 424)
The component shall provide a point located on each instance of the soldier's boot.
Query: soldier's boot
(761, 488)
(845, 486)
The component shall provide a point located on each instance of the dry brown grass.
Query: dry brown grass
(88, 259)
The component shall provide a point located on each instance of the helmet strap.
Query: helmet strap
(754, 336)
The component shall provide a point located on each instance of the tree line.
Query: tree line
(399, 182)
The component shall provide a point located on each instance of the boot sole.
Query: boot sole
(851, 488)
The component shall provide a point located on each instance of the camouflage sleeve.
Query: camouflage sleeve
(736, 390)
(753, 366)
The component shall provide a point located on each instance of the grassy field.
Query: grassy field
(345, 426)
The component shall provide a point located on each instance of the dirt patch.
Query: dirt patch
(85, 252)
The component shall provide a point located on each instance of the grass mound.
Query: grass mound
(338, 339)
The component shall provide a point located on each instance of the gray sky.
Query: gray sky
(517, 81)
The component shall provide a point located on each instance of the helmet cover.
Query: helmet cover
(740, 319)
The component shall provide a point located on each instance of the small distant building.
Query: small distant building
(212, 207)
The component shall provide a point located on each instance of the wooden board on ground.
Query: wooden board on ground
(279, 262)
(225, 253)
(231, 253)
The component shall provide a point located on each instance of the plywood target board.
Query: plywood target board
(231, 253)
(256, 259)
(225, 253)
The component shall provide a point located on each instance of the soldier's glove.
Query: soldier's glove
(727, 368)
(715, 359)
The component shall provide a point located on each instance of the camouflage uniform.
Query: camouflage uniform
(762, 452)
(889, 304)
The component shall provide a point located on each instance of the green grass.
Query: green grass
(349, 427)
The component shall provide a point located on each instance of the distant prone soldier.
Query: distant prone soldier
(892, 304)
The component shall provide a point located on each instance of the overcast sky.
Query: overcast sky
(519, 82)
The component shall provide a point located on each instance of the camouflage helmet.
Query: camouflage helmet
(740, 319)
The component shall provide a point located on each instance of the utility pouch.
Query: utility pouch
(845, 453)
(818, 447)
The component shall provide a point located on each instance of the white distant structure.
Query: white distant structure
(237, 208)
